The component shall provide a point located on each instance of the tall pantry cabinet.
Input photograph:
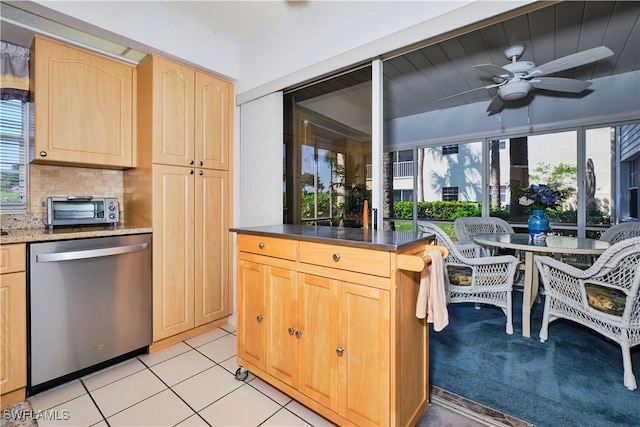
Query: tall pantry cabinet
(182, 188)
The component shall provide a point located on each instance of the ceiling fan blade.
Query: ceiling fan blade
(468, 91)
(559, 84)
(571, 61)
(494, 70)
(496, 105)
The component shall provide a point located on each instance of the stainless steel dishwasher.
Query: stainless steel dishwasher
(89, 305)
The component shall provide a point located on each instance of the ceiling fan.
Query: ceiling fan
(516, 79)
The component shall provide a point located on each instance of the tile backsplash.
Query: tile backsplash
(45, 181)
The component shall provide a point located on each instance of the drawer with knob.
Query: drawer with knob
(13, 258)
(277, 248)
(346, 258)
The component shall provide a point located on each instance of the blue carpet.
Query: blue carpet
(575, 378)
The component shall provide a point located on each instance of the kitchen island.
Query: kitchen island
(327, 315)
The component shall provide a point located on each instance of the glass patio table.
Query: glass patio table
(551, 245)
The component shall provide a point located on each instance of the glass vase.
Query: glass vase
(538, 224)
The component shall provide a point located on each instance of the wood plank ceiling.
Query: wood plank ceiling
(416, 80)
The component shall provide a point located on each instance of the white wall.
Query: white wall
(258, 165)
(147, 26)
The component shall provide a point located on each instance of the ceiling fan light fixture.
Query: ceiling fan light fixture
(514, 90)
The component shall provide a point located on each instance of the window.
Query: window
(449, 149)
(328, 176)
(450, 194)
(13, 160)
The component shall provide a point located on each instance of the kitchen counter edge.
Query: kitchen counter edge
(343, 236)
(32, 235)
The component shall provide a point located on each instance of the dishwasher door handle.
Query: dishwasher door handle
(91, 253)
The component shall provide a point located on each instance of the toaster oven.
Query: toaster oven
(81, 210)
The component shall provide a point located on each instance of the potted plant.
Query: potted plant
(539, 198)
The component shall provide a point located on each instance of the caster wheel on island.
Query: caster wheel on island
(242, 374)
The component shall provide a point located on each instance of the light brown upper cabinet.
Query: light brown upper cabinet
(191, 115)
(85, 107)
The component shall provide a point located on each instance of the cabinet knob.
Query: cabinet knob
(200, 163)
(340, 351)
(291, 330)
(261, 245)
(336, 257)
(191, 172)
(191, 162)
(43, 154)
(200, 173)
(259, 318)
(298, 334)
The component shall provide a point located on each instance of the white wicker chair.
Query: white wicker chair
(622, 231)
(485, 280)
(468, 226)
(605, 297)
(613, 234)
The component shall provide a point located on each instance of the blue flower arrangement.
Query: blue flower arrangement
(540, 196)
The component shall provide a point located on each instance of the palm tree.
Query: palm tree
(519, 173)
(495, 173)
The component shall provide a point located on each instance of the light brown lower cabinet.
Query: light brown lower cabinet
(344, 342)
(13, 324)
(190, 255)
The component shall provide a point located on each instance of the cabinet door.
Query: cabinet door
(173, 250)
(213, 115)
(251, 313)
(13, 332)
(282, 327)
(318, 350)
(212, 299)
(173, 113)
(84, 106)
(363, 332)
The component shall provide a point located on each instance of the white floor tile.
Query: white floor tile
(206, 337)
(206, 387)
(194, 421)
(112, 373)
(164, 354)
(284, 418)
(162, 409)
(131, 394)
(126, 392)
(270, 391)
(181, 367)
(56, 396)
(229, 328)
(220, 349)
(80, 411)
(308, 415)
(244, 407)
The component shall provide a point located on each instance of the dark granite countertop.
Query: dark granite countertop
(369, 239)
(31, 235)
